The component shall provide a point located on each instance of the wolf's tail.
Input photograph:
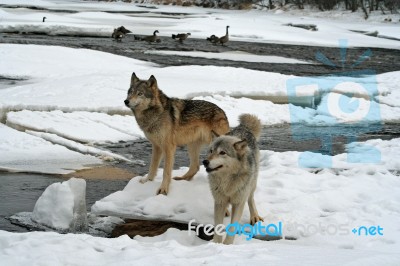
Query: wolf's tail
(252, 123)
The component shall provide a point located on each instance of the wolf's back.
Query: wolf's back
(252, 123)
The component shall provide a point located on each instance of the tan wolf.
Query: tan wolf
(171, 122)
(232, 165)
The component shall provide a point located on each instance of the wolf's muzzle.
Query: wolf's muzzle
(126, 102)
(206, 164)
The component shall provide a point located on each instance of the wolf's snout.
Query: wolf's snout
(206, 163)
(126, 102)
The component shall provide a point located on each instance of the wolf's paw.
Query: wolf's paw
(256, 219)
(217, 239)
(182, 178)
(162, 190)
(144, 180)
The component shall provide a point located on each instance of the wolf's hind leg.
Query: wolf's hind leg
(156, 156)
(194, 153)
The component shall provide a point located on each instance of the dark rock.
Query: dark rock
(134, 227)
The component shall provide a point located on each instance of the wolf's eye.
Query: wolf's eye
(210, 151)
(140, 93)
(222, 153)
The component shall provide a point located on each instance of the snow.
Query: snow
(87, 250)
(203, 22)
(79, 126)
(349, 194)
(72, 145)
(21, 152)
(339, 199)
(62, 206)
(61, 108)
(55, 86)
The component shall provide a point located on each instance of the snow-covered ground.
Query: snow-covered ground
(62, 107)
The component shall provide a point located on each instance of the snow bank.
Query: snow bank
(21, 152)
(62, 206)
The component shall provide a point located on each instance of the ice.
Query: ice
(105, 155)
(79, 126)
(21, 152)
(62, 206)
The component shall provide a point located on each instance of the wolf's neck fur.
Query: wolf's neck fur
(148, 119)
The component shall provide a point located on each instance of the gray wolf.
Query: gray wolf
(232, 164)
(171, 122)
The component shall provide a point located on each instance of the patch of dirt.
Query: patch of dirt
(104, 173)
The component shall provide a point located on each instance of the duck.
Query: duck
(224, 39)
(181, 36)
(118, 35)
(213, 39)
(152, 38)
(123, 29)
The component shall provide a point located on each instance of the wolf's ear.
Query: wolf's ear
(134, 78)
(152, 81)
(240, 146)
(214, 134)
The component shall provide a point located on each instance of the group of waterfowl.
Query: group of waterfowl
(120, 32)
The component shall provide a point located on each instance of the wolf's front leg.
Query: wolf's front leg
(156, 156)
(254, 217)
(219, 214)
(169, 153)
(237, 211)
